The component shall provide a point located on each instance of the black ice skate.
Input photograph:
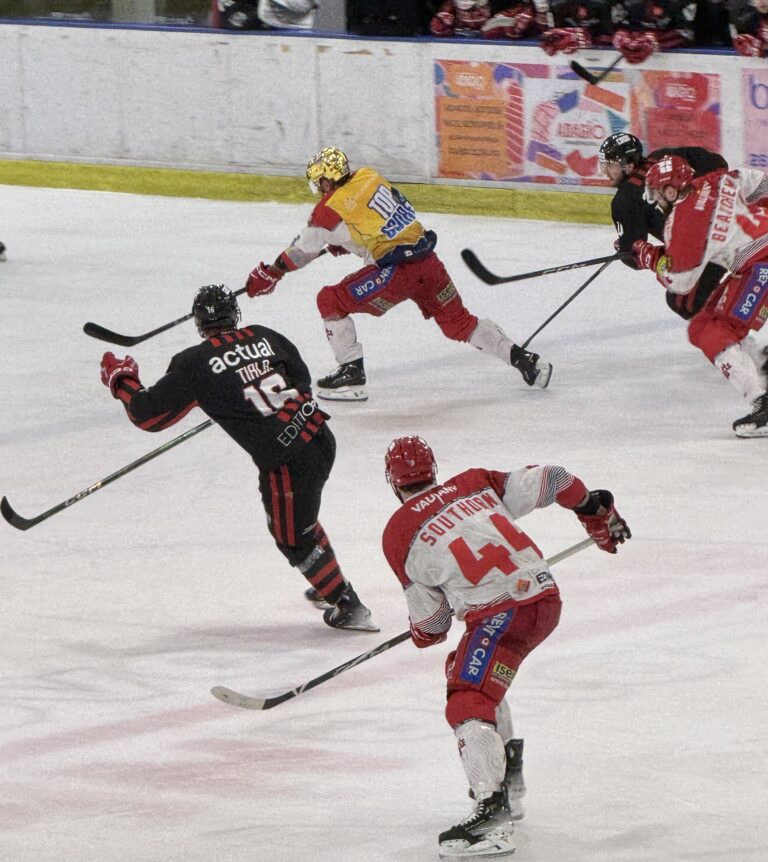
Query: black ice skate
(514, 783)
(486, 833)
(346, 383)
(312, 595)
(2, 251)
(535, 371)
(756, 424)
(350, 613)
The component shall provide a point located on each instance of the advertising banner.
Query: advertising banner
(535, 123)
(755, 102)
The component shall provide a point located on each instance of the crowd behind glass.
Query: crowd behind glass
(637, 28)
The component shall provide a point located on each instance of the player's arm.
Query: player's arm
(631, 219)
(152, 409)
(754, 184)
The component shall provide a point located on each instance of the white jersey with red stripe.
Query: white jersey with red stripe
(456, 544)
(720, 221)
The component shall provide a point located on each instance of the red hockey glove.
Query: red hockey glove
(112, 369)
(443, 24)
(423, 639)
(510, 23)
(263, 279)
(337, 250)
(748, 45)
(635, 47)
(602, 521)
(565, 39)
(303, 414)
(648, 256)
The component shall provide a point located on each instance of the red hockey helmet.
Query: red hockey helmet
(671, 171)
(409, 462)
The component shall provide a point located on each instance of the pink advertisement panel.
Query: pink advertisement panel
(536, 123)
(755, 101)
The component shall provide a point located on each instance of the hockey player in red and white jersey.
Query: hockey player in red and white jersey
(718, 218)
(455, 548)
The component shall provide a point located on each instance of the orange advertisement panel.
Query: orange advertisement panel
(537, 123)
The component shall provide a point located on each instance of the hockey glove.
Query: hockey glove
(423, 639)
(748, 45)
(113, 369)
(303, 414)
(650, 256)
(602, 521)
(565, 39)
(263, 279)
(635, 47)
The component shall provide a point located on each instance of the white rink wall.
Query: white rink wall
(260, 102)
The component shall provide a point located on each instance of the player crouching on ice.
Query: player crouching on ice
(363, 214)
(252, 381)
(721, 218)
(455, 546)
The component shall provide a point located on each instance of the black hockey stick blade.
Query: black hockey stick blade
(588, 76)
(104, 334)
(15, 519)
(267, 701)
(484, 274)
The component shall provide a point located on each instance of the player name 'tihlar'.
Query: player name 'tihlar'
(239, 353)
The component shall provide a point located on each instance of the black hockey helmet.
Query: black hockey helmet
(623, 148)
(215, 309)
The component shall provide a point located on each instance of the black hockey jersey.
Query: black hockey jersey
(245, 380)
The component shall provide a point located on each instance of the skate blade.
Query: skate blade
(343, 393)
(747, 431)
(542, 378)
(367, 626)
(494, 844)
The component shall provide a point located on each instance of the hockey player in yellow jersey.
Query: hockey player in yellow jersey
(362, 213)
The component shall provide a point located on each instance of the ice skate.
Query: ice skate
(346, 383)
(2, 251)
(312, 595)
(350, 613)
(535, 371)
(756, 423)
(486, 833)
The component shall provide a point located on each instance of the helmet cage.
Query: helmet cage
(215, 309)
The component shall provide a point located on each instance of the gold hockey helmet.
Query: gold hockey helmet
(330, 164)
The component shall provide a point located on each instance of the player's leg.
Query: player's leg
(479, 674)
(437, 297)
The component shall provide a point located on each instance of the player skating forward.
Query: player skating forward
(253, 382)
(455, 546)
(623, 163)
(719, 218)
(362, 213)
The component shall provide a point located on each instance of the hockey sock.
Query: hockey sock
(489, 337)
(322, 570)
(342, 336)
(482, 756)
(739, 369)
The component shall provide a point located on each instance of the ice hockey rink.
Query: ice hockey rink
(644, 714)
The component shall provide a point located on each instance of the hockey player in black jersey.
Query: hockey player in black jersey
(623, 163)
(252, 381)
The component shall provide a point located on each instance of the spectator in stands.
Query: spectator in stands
(479, 18)
(749, 27)
(388, 17)
(642, 29)
(574, 24)
(267, 14)
(710, 26)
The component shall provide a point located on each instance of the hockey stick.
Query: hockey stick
(568, 301)
(235, 698)
(471, 260)
(21, 523)
(103, 334)
(594, 79)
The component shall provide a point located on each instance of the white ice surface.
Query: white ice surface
(644, 714)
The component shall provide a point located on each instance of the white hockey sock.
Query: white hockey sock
(504, 722)
(342, 336)
(739, 369)
(482, 756)
(490, 338)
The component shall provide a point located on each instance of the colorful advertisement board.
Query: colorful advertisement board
(529, 122)
(755, 104)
